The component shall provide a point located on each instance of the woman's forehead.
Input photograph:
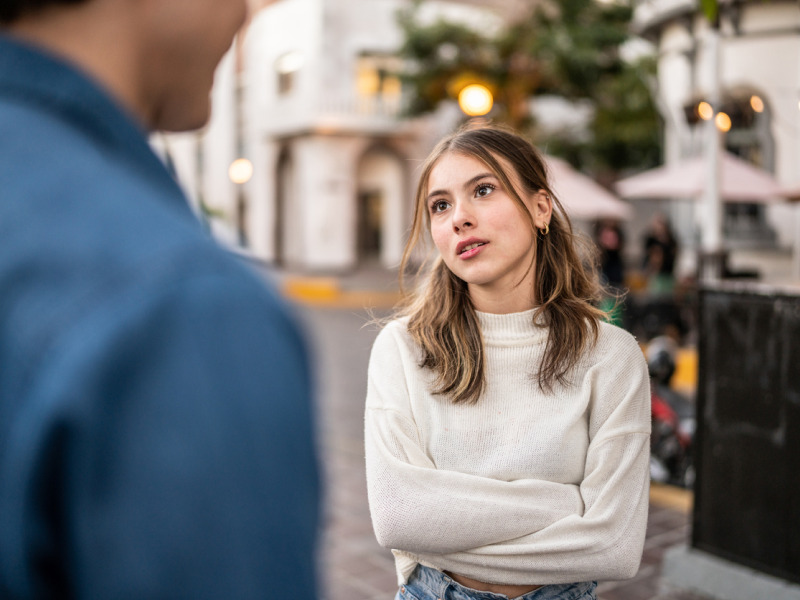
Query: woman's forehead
(454, 169)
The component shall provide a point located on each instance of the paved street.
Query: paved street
(354, 566)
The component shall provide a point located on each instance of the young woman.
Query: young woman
(507, 426)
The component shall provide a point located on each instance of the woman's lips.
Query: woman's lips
(473, 251)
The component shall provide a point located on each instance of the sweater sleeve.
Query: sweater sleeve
(606, 541)
(418, 508)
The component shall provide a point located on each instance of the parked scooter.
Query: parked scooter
(673, 419)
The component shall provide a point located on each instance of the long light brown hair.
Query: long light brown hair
(442, 319)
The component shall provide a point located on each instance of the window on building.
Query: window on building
(376, 76)
(286, 67)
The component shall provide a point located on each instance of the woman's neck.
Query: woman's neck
(502, 301)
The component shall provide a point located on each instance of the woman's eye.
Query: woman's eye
(484, 190)
(439, 206)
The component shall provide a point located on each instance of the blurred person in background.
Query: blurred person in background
(155, 418)
(507, 426)
(611, 243)
(660, 254)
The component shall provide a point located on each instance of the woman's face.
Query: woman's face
(480, 231)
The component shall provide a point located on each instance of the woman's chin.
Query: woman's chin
(480, 280)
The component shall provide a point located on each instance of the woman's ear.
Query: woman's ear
(542, 208)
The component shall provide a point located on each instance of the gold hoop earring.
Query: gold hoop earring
(546, 229)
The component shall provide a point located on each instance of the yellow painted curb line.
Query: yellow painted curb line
(670, 496)
(325, 292)
(312, 289)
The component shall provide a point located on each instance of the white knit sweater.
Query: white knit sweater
(524, 487)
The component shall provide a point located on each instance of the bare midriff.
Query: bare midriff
(512, 591)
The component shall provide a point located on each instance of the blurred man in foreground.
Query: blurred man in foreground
(155, 426)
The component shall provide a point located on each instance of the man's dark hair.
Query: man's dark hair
(11, 10)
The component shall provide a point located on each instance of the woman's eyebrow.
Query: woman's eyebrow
(477, 178)
(467, 185)
(437, 193)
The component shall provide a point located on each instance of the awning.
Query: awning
(582, 197)
(740, 181)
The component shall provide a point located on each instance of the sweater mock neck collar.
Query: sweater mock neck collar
(512, 329)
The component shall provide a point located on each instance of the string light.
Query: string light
(757, 104)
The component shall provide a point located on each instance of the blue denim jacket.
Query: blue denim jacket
(155, 418)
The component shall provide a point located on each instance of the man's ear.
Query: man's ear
(542, 208)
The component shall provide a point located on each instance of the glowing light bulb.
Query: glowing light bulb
(475, 100)
(723, 122)
(757, 104)
(705, 111)
(240, 171)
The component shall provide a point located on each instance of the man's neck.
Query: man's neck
(90, 37)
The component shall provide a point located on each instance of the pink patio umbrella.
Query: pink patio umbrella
(583, 199)
(739, 182)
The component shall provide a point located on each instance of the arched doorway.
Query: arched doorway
(380, 216)
(370, 224)
(284, 195)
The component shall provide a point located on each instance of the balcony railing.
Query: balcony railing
(363, 106)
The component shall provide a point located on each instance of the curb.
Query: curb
(326, 292)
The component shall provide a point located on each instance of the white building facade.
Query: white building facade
(759, 57)
(311, 98)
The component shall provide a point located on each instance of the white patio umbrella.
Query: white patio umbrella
(739, 182)
(582, 197)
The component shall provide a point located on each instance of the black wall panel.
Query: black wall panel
(747, 494)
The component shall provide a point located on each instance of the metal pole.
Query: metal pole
(712, 205)
(796, 253)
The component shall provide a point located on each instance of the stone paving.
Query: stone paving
(354, 566)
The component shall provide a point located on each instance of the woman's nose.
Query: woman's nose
(463, 218)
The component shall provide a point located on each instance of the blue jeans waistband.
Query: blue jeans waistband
(430, 582)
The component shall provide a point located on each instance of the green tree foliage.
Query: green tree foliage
(626, 129)
(569, 48)
(578, 43)
(446, 57)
